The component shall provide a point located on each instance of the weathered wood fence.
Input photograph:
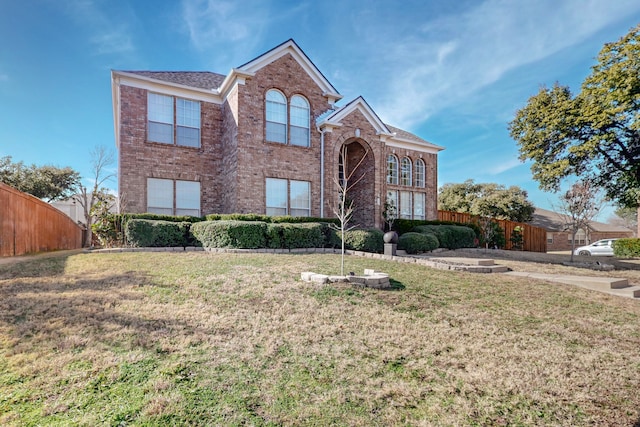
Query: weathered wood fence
(534, 238)
(29, 225)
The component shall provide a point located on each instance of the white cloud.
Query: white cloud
(457, 55)
(225, 29)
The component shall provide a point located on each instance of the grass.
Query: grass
(152, 339)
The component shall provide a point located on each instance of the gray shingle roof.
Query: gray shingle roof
(199, 79)
(400, 133)
(553, 222)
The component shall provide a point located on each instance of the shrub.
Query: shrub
(415, 243)
(231, 234)
(366, 240)
(626, 248)
(403, 226)
(287, 236)
(152, 233)
(450, 236)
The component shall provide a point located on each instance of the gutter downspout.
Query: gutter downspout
(321, 172)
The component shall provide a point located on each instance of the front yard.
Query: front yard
(237, 339)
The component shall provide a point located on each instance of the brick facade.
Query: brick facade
(234, 159)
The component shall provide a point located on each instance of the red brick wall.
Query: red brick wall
(139, 159)
(561, 239)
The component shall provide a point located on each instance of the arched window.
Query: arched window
(405, 171)
(299, 113)
(276, 115)
(392, 169)
(420, 181)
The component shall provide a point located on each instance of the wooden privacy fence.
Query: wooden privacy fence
(29, 225)
(534, 238)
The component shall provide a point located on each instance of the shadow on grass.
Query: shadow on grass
(396, 286)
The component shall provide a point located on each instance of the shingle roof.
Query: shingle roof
(400, 133)
(199, 79)
(553, 221)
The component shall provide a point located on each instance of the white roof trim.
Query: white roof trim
(358, 104)
(165, 87)
(290, 47)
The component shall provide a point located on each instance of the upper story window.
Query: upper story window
(276, 112)
(292, 125)
(405, 171)
(392, 169)
(161, 110)
(299, 121)
(420, 172)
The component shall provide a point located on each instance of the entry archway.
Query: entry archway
(356, 164)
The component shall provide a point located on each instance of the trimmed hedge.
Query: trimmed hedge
(450, 236)
(152, 233)
(289, 236)
(268, 219)
(231, 234)
(626, 248)
(366, 240)
(402, 226)
(414, 243)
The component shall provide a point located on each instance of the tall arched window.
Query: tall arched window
(299, 113)
(276, 115)
(405, 171)
(420, 181)
(392, 169)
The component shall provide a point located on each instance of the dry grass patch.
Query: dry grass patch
(230, 339)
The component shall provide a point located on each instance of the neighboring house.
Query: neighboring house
(263, 139)
(72, 208)
(559, 234)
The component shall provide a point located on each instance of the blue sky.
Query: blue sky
(452, 72)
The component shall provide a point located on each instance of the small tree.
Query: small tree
(88, 197)
(578, 206)
(390, 213)
(517, 238)
(345, 181)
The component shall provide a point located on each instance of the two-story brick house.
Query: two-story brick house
(266, 139)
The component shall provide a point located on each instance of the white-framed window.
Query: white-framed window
(288, 197)
(581, 237)
(161, 200)
(276, 116)
(405, 171)
(300, 196)
(188, 126)
(299, 129)
(392, 169)
(405, 205)
(160, 196)
(418, 206)
(549, 237)
(160, 112)
(420, 173)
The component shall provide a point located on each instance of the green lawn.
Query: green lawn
(238, 339)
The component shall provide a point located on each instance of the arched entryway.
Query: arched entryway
(356, 164)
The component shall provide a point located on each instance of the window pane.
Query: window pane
(405, 172)
(276, 192)
(161, 132)
(392, 170)
(188, 113)
(160, 196)
(160, 108)
(405, 205)
(420, 170)
(276, 132)
(188, 198)
(189, 137)
(300, 198)
(276, 115)
(300, 136)
(299, 121)
(418, 206)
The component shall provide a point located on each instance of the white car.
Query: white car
(601, 247)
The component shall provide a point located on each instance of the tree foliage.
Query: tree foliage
(44, 182)
(489, 200)
(595, 134)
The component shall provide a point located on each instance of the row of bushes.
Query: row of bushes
(425, 238)
(626, 248)
(247, 235)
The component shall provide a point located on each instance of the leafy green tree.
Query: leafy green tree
(490, 200)
(625, 217)
(595, 134)
(44, 182)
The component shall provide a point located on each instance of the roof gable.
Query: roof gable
(358, 104)
(290, 47)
